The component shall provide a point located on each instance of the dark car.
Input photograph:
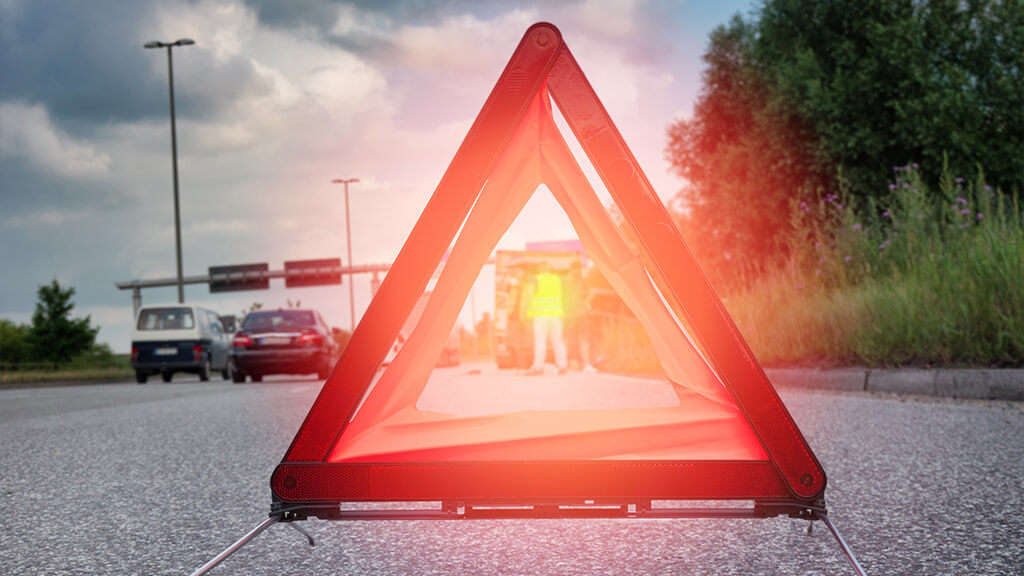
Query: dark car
(283, 342)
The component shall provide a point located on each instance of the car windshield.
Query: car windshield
(166, 319)
(279, 319)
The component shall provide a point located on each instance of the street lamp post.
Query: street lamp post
(174, 156)
(348, 241)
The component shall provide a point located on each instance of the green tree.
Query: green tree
(887, 82)
(252, 308)
(810, 98)
(741, 155)
(14, 346)
(55, 336)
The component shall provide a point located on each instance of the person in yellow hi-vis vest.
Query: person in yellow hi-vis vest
(547, 312)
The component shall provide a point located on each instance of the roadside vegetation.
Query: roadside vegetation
(929, 277)
(835, 194)
(56, 346)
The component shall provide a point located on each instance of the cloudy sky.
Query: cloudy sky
(275, 100)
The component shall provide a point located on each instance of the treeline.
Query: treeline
(810, 100)
(53, 338)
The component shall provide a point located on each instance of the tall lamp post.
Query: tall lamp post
(174, 156)
(348, 242)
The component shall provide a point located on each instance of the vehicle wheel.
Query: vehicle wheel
(167, 376)
(238, 377)
(204, 370)
(325, 369)
(256, 377)
(141, 376)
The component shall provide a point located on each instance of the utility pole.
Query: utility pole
(348, 242)
(174, 156)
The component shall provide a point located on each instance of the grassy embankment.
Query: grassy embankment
(931, 278)
(119, 367)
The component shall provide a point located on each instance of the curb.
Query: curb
(976, 384)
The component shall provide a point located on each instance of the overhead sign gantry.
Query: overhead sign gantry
(297, 274)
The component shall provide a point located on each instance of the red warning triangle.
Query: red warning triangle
(728, 437)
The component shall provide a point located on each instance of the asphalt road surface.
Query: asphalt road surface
(157, 479)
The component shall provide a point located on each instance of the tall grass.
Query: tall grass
(925, 278)
(930, 277)
(83, 367)
(61, 374)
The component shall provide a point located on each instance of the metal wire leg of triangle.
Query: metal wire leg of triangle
(842, 543)
(245, 540)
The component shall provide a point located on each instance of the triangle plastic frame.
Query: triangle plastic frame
(305, 483)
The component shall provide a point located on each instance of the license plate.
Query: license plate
(275, 340)
(165, 351)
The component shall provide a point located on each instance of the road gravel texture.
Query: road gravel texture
(157, 479)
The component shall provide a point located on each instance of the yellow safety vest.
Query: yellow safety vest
(547, 299)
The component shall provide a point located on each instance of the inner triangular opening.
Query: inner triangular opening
(414, 413)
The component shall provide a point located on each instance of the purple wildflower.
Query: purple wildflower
(965, 211)
(962, 200)
(892, 186)
(799, 286)
(847, 259)
(980, 215)
(886, 213)
(987, 187)
(914, 165)
(856, 226)
(958, 180)
(897, 168)
(905, 185)
(817, 271)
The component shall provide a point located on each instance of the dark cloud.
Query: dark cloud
(322, 14)
(318, 14)
(653, 43)
(84, 62)
(383, 15)
(26, 188)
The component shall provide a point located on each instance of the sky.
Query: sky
(274, 101)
